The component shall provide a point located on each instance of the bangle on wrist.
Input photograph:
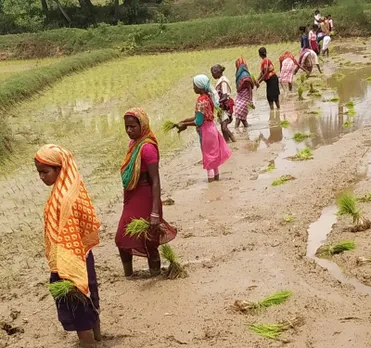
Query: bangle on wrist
(155, 215)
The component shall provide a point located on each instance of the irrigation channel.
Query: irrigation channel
(234, 235)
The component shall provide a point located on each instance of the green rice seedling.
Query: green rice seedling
(351, 112)
(137, 227)
(347, 205)
(312, 90)
(251, 106)
(334, 100)
(368, 79)
(338, 76)
(289, 218)
(300, 93)
(303, 77)
(313, 112)
(350, 104)
(168, 126)
(283, 179)
(175, 270)
(303, 155)
(285, 124)
(299, 137)
(66, 290)
(333, 249)
(366, 198)
(274, 331)
(256, 307)
(348, 124)
(271, 167)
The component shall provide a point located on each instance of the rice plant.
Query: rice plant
(312, 90)
(300, 93)
(350, 104)
(368, 79)
(285, 124)
(351, 112)
(332, 100)
(303, 77)
(348, 124)
(65, 290)
(175, 270)
(333, 249)
(282, 180)
(303, 155)
(274, 331)
(289, 218)
(271, 167)
(137, 227)
(347, 205)
(299, 137)
(256, 307)
(168, 126)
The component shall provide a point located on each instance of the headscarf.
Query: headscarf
(130, 169)
(71, 225)
(243, 76)
(287, 54)
(203, 82)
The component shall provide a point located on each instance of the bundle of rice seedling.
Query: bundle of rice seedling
(329, 250)
(300, 93)
(350, 104)
(273, 331)
(299, 137)
(284, 124)
(168, 126)
(282, 180)
(347, 204)
(175, 270)
(303, 155)
(255, 307)
(66, 290)
(351, 112)
(137, 227)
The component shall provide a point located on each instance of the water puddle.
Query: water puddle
(317, 235)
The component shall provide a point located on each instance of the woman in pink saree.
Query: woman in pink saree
(213, 145)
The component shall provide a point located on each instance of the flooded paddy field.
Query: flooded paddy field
(233, 234)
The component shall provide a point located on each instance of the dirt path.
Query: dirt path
(236, 245)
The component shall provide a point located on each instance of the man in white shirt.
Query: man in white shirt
(317, 17)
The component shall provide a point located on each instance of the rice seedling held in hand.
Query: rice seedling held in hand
(347, 205)
(282, 180)
(329, 250)
(251, 106)
(175, 270)
(274, 331)
(303, 155)
(299, 137)
(256, 307)
(66, 290)
(137, 228)
(284, 124)
(168, 126)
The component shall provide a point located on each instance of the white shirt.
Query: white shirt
(226, 86)
(317, 19)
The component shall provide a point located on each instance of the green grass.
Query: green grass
(285, 124)
(333, 249)
(299, 137)
(283, 179)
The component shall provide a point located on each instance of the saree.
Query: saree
(244, 85)
(138, 196)
(288, 66)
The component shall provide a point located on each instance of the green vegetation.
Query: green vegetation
(289, 218)
(348, 124)
(137, 228)
(350, 104)
(300, 93)
(347, 205)
(285, 124)
(175, 270)
(65, 289)
(329, 250)
(299, 137)
(168, 126)
(271, 167)
(368, 79)
(283, 179)
(303, 155)
(256, 307)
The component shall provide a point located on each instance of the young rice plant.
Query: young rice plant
(137, 227)
(303, 155)
(175, 270)
(283, 179)
(333, 249)
(299, 137)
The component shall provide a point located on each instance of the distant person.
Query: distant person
(214, 149)
(317, 17)
(325, 46)
(307, 60)
(268, 75)
(223, 87)
(288, 65)
(325, 27)
(71, 230)
(244, 85)
(304, 41)
(313, 45)
(330, 24)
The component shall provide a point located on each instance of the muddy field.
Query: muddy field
(234, 235)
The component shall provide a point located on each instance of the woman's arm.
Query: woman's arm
(263, 74)
(156, 193)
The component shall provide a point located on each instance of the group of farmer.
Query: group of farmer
(71, 226)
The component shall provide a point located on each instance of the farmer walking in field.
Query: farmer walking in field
(268, 75)
(71, 231)
(288, 65)
(142, 196)
(214, 149)
(223, 87)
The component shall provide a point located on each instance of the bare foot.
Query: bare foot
(216, 178)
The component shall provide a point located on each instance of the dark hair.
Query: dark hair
(262, 51)
(302, 28)
(316, 11)
(315, 26)
(218, 67)
(328, 15)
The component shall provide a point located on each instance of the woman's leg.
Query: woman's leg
(238, 121)
(210, 175)
(290, 86)
(127, 261)
(86, 338)
(245, 124)
(216, 174)
(271, 105)
(277, 102)
(154, 262)
(226, 132)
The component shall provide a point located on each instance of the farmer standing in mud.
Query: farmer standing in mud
(142, 196)
(71, 231)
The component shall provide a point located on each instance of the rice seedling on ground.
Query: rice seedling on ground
(347, 205)
(303, 77)
(274, 331)
(368, 79)
(137, 228)
(271, 167)
(351, 112)
(282, 180)
(333, 249)
(366, 198)
(348, 124)
(175, 270)
(350, 104)
(312, 90)
(303, 155)
(168, 126)
(256, 307)
(289, 218)
(313, 112)
(285, 124)
(300, 93)
(299, 137)
(332, 100)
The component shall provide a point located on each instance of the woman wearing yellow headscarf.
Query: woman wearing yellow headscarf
(70, 232)
(142, 195)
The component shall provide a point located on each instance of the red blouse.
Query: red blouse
(266, 63)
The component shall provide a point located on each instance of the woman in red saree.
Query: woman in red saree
(142, 195)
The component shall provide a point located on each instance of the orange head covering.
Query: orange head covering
(71, 226)
(241, 61)
(130, 169)
(287, 54)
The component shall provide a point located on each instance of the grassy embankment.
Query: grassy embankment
(24, 85)
(350, 20)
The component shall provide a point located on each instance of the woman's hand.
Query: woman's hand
(257, 84)
(154, 221)
(181, 127)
